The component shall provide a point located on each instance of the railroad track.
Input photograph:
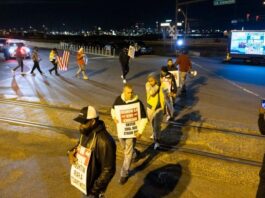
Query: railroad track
(139, 142)
(173, 123)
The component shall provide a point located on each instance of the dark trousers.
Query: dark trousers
(20, 64)
(36, 66)
(125, 70)
(55, 66)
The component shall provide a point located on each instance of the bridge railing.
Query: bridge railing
(101, 51)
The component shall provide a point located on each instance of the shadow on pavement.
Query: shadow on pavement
(261, 187)
(172, 134)
(162, 181)
(67, 81)
(142, 73)
(96, 72)
(15, 87)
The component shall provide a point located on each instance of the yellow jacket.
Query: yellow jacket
(53, 56)
(153, 97)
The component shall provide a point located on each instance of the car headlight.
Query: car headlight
(11, 50)
(27, 50)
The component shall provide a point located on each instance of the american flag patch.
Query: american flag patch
(63, 61)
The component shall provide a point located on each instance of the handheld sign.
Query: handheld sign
(129, 117)
(131, 51)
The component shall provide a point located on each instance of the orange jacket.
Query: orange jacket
(80, 58)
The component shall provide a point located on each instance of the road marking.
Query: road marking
(229, 81)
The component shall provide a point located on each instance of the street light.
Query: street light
(186, 20)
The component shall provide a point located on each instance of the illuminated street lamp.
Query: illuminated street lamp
(186, 20)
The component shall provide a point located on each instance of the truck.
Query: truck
(246, 45)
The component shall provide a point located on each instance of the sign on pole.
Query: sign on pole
(223, 2)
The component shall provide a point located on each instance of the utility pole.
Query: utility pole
(176, 19)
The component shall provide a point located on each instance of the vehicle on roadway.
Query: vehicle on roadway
(247, 45)
(2, 43)
(10, 48)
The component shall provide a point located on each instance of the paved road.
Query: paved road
(225, 96)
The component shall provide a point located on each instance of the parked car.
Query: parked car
(11, 46)
(2, 44)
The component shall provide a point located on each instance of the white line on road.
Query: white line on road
(229, 81)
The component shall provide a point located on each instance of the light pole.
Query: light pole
(186, 21)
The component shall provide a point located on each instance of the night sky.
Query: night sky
(85, 14)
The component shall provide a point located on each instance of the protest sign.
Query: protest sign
(79, 169)
(129, 117)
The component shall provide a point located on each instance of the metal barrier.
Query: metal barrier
(105, 51)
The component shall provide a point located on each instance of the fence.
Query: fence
(102, 51)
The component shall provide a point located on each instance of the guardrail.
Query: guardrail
(105, 51)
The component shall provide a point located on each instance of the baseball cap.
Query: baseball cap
(86, 113)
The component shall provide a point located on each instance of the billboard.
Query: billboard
(248, 43)
(223, 2)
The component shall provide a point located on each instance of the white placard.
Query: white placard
(177, 77)
(131, 51)
(129, 117)
(79, 169)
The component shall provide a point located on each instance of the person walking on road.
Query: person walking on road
(154, 108)
(81, 62)
(184, 65)
(124, 61)
(168, 91)
(36, 60)
(20, 55)
(130, 118)
(261, 187)
(99, 144)
(170, 65)
(54, 61)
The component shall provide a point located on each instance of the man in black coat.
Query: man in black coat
(124, 61)
(261, 188)
(102, 164)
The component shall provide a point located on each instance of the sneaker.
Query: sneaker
(168, 118)
(152, 137)
(33, 74)
(77, 76)
(85, 78)
(50, 72)
(123, 180)
(57, 74)
(122, 77)
(13, 71)
(156, 146)
(124, 81)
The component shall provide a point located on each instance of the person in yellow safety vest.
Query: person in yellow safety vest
(81, 62)
(53, 59)
(155, 109)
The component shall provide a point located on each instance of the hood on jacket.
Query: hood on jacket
(135, 98)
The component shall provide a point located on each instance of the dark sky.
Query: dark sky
(84, 14)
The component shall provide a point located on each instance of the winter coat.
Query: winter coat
(102, 164)
(261, 123)
(184, 63)
(124, 58)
